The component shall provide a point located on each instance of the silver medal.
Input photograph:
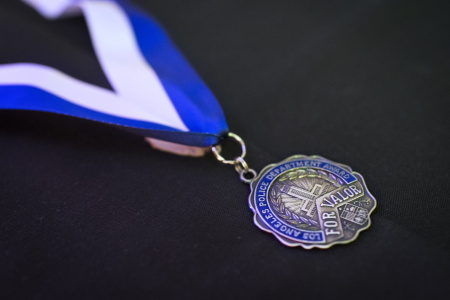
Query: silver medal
(311, 202)
(306, 201)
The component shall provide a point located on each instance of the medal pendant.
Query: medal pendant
(310, 201)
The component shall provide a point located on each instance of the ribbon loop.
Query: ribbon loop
(155, 91)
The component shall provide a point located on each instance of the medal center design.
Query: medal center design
(293, 196)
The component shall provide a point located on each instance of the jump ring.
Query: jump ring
(249, 180)
(240, 165)
(216, 149)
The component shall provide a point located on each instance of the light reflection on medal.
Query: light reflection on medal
(306, 201)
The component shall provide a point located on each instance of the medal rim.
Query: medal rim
(257, 220)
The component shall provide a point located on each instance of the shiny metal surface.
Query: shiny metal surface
(240, 165)
(311, 202)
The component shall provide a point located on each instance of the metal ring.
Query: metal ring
(245, 180)
(240, 165)
(216, 150)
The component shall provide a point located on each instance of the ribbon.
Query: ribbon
(155, 91)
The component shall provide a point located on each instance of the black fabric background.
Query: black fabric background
(89, 211)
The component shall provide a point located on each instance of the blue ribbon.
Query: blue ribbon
(192, 100)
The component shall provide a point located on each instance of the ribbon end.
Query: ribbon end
(177, 149)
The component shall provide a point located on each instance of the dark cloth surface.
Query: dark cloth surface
(90, 211)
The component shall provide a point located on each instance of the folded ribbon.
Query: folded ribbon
(155, 91)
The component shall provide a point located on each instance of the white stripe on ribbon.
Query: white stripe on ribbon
(138, 93)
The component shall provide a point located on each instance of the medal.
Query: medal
(306, 201)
